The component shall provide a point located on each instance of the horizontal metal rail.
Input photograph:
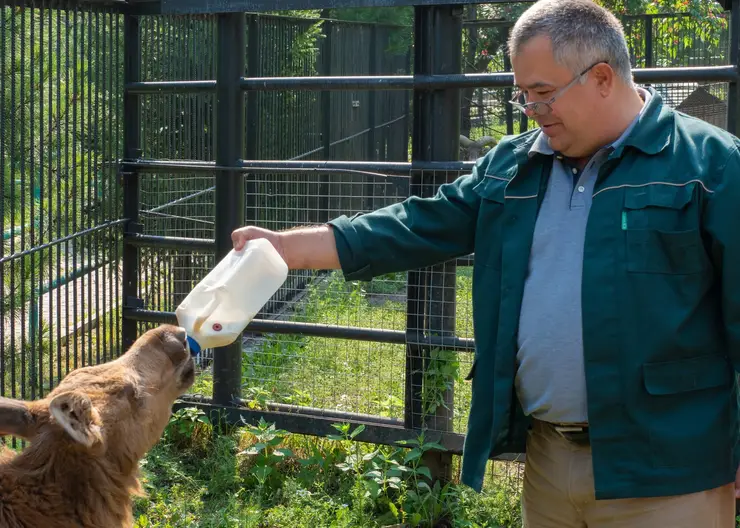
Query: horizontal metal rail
(241, 6)
(305, 421)
(90, 5)
(321, 330)
(727, 73)
(309, 411)
(154, 87)
(56, 242)
(380, 82)
(257, 166)
(170, 242)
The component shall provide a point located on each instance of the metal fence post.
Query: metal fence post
(436, 132)
(131, 197)
(229, 204)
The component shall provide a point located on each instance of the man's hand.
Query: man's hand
(241, 236)
(310, 247)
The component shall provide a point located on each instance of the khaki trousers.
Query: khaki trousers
(559, 493)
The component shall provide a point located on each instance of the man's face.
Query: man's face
(570, 125)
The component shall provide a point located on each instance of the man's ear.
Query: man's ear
(605, 76)
(16, 419)
(79, 418)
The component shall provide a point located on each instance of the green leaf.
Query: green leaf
(373, 488)
(423, 470)
(357, 431)
(412, 455)
(261, 472)
(434, 445)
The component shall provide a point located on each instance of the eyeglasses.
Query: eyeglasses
(540, 108)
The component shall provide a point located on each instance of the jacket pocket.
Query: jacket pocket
(662, 230)
(687, 410)
(492, 191)
(492, 188)
(683, 375)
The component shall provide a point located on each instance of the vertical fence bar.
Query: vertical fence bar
(469, 93)
(326, 121)
(648, 21)
(254, 69)
(508, 94)
(372, 152)
(733, 109)
(438, 50)
(229, 206)
(131, 196)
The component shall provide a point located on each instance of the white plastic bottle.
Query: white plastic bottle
(220, 306)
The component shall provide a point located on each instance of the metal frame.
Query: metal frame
(436, 85)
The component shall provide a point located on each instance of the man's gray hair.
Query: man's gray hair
(581, 33)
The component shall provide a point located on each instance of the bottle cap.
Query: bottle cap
(194, 346)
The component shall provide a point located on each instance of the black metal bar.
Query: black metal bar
(733, 108)
(301, 422)
(170, 242)
(307, 411)
(229, 203)
(438, 47)
(371, 138)
(170, 87)
(420, 82)
(130, 183)
(323, 330)
(508, 93)
(648, 42)
(103, 6)
(166, 166)
(326, 119)
(241, 6)
(254, 68)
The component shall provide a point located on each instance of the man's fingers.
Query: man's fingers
(238, 239)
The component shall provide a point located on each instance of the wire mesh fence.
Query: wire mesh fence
(60, 132)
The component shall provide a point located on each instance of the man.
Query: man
(606, 298)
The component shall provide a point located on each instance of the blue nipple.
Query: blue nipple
(194, 346)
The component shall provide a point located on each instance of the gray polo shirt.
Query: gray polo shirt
(550, 381)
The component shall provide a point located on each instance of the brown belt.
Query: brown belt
(576, 433)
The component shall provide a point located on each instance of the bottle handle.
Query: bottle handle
(208, 310)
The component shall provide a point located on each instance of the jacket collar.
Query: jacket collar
(653, 131)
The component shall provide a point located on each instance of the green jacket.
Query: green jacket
(661, 297)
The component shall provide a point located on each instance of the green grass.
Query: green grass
(258, 477)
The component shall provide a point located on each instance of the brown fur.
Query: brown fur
(84, 475)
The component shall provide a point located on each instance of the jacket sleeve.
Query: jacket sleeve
(412, 234)
(722, 222)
